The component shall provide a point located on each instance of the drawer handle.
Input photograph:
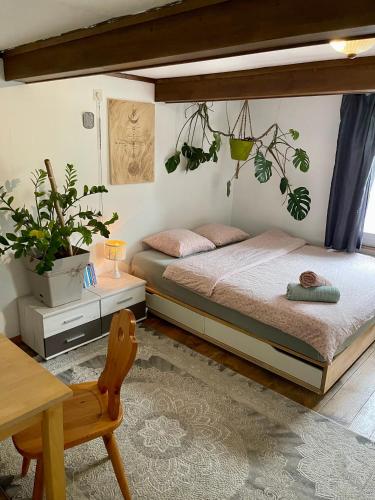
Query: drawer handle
(76, 337)
(124, 300)
(76, 318)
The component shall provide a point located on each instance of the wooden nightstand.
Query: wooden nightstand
(50, 331)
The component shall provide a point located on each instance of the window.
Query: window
(369, 229)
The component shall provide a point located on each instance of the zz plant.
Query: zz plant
(274, 152)
(38, 233)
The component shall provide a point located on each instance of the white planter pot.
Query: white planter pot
(61, 285)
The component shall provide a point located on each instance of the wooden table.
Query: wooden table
(28, 394)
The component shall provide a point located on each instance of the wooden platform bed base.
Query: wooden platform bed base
(314, 375)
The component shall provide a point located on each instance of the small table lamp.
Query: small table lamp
(115, 250)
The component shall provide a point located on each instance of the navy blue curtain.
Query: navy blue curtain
(352, 173)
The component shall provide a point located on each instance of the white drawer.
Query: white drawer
(261, 351)
(122, 300)
(69, 319)
(181, 315)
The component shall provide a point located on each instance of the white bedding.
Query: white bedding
(252, 277)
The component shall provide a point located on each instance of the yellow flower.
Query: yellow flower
(36, 233)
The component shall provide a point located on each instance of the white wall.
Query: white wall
(44, 121)
(257, 207)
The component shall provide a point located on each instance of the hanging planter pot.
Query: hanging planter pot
(240, 149)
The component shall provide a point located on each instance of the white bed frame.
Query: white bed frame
(312, 374)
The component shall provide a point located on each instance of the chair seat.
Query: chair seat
(85, 418)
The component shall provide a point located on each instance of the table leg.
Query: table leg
(53, 453)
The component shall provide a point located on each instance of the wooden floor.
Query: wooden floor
(350, 402)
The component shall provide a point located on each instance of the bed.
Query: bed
(262, 342)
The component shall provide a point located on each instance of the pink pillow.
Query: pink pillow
(220, 234)
(179, 242)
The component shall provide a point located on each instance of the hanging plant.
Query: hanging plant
(273, 153)
(241, 144)
(198, 128)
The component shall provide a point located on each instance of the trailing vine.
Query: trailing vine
(270, 156)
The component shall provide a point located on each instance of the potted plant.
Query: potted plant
(241, 146)
(274, 156)
(42, 236)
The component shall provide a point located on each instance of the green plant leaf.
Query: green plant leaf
(299, 203)
(229, 185)
(301, 160)
(44, 215)
(263, 167)
(212, 154)
(18, 253)
(217, 139)
(195, 157)
(11, 237)
(214, 148)
(294, 133)
(113, 219)
(186, 150)
(193, 163)
(3, 241)
(173, 162)
(284, 183)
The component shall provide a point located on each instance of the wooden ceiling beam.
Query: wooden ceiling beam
(188, 31)
(127, 76)
(338, 76)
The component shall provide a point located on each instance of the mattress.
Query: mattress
(151, 264)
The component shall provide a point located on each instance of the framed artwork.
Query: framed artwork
(131, 128)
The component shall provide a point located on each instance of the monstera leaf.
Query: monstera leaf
(263, 167)
(301, 160)
(196, 156)
(299, 203)
(284, 183)
(173, 162)
(186, 150)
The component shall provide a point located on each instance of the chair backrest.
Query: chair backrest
(122, 348)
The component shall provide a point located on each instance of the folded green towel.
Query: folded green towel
(316, 294)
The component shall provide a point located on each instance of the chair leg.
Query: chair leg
(38, 481)
(25, 466)
(114, 455)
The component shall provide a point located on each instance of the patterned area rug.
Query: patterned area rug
(195, 430)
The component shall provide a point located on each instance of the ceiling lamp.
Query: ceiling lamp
(352, 47)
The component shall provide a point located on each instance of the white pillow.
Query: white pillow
(220, 234)
(179, 242)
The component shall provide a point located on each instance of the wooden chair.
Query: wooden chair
(94, 410)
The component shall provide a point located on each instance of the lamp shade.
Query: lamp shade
(115, 250)
(352, 47)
